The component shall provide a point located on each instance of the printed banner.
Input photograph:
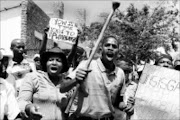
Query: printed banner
(158, 96)
(62, 30)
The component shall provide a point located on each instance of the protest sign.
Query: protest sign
(62, 30)
(157, 96)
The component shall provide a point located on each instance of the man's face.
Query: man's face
(110, 49)
(165, 62)
(18, 48)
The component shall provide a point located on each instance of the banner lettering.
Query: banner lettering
(62, 30)
(157, 96)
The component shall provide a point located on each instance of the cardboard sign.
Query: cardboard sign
(62, 30)
(158, 94)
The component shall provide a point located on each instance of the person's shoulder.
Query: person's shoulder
(11, 78)
(40, 72)
(2, 81)
(119, 70)
(32, 74)
(34, 77)
(6, 85)
(25, 60)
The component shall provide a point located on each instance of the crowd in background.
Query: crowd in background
(42, 89)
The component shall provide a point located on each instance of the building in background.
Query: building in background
(25, 20)
(16, 24)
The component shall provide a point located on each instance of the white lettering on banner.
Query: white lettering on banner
(62, 30)
(157, 96)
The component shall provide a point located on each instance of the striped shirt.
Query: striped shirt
(103, 89)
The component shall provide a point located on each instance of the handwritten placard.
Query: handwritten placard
(62, 30)
(158, 96)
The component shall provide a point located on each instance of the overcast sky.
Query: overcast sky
(93, 7)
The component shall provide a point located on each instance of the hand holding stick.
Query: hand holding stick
(115, 5)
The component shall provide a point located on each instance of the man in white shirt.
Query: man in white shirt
(19, 66)
(8, 103)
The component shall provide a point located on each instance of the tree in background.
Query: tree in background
(140, 31)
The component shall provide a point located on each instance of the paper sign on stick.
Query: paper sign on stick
(62, 30)
(158, 94)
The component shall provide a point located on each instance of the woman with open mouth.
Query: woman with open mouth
(39, 96)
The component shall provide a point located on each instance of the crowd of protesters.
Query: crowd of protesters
(41, 90)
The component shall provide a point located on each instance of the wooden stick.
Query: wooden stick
(115, 5)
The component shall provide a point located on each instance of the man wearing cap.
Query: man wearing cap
(19, 66)
(164, 60)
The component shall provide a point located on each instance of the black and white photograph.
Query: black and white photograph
(89, 60)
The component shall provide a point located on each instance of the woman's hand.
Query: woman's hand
(32, 112)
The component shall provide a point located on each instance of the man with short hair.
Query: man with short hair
(19, 66)
(103, 81)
